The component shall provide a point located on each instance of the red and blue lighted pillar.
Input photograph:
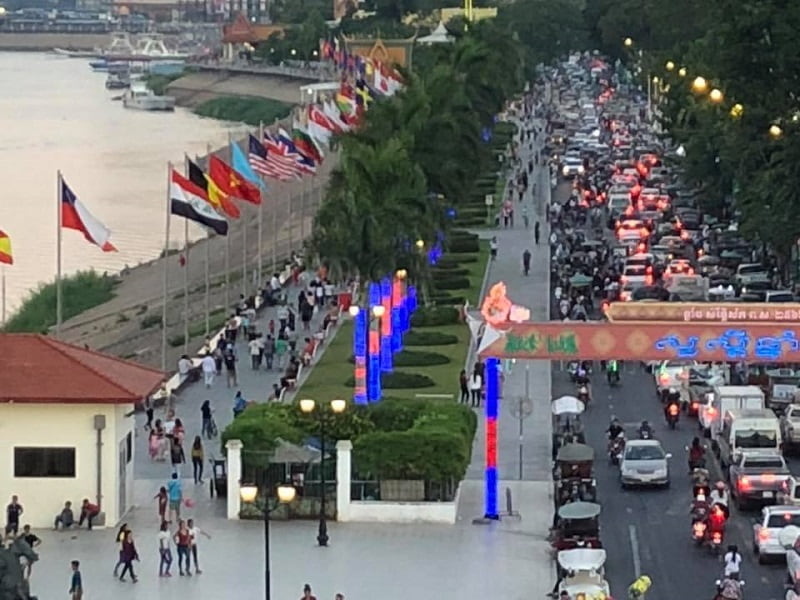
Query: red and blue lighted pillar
(386, 326)
(397, 318)
(492, 376)
(360, 336)
(374, 347)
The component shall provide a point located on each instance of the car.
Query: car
(749, 273)
(572, 166)
(773, 519)
(678, 266)
(757, 478)
(631, 230)
(644, 463)
(779, 296)
(636, 276)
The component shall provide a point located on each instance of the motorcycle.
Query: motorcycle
(572, 369)
(673, 412)
(615, 449)
(645, 433)
(729, 589)
(583, 395)
(612, 377)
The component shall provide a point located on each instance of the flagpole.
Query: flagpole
(185, 286)
(303, 210)
(261, 217)
(289, 223)
(166, 277)
(59, 299)
(207, 302)
(4, 295)
(274, 233)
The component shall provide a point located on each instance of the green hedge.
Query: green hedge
(435, 316)
(400, 380)
(471, 222)
(429, 338)
(452, 283)
(412, 358)
(464, 245)
(448, 272)
(456, 259)
(417, 440)
(447, 300)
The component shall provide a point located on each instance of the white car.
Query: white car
(773, 519)
(644, 462)
(631, 230)
(572, 167)
(636, 276)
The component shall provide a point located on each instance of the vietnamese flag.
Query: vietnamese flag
(232, 182)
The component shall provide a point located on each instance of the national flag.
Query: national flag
(335, 115)
(303, 163)
(215, 196)
(319, 126)
(363, 94)
(281, 159)
(232, 182)
(5, 249)
(257, 156)
(305, 143)
(346, 100)
(241, 164)
(74, 215)
(190, 201)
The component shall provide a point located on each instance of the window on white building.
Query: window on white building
(44, 462)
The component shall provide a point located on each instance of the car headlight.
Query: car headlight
(580, 169)
(661, 472)
(565, 171)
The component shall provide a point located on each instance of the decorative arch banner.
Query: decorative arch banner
(705, 342)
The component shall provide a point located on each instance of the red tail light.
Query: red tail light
(641, 247)
(629, 211)
(664, 379)
(744, 483)
(648, 280)
(684, 235)
(623, 279)
(699, 529)
(763, 534)
(648, 270)
(695, 406)
(673, 409)
(716, 537)
(644, 231)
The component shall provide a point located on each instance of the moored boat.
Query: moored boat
(140, 97)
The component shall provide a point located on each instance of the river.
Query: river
(55, 113)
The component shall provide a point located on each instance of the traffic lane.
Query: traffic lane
(647, 531)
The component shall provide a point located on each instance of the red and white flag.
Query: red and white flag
(75, 215)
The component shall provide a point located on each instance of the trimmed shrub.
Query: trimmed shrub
(471, 221)
(452, 283)
(447, 266)
(455, 260)
(150, 321)
(429, 338)
(458, 234)
(457, 245)
(448, 272)
(435, 316)
(448, 300)
(411, 358)
(400, 380)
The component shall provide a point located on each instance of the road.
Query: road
(647, 531)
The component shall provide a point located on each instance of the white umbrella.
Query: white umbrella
(567, 404)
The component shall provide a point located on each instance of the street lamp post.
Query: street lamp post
(286, 494)
(309, 406)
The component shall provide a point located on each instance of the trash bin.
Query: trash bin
(345, 300)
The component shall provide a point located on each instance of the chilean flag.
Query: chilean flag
(74, 215)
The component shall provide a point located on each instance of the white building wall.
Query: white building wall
(68, 426)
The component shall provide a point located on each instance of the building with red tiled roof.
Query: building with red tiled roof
(67, 426)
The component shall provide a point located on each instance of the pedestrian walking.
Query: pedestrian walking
(14, 511)
(525, 219)
(175, 495)
(194, 532)
(229, 357)
(307, 595)
(163, 501)
(269, 351)
(197, 459)
(526, 262)
(148, 411)
(256, 350)
(177, 455)
(118, 541)
(183, 541)
(129, 554)
(164, 551)
(209, 368)
(76, 582)
(493, 247)
(475, 386)
(33, 541)
(463, 382)
(536, 232)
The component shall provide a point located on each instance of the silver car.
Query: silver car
(644, 463)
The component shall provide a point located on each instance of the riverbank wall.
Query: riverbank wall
(195, 88)
(44, 42)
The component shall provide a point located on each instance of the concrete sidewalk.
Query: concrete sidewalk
(529, 480)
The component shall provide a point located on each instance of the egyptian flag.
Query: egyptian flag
(74, 215)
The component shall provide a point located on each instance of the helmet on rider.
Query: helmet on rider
(720, 485)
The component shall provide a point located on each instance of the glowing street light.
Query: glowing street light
(700, 85)
(628, 42)
(670, 65)
(656, 79)
(716, 96)
(737, 110)
(682, 72)
(420, 244)
(775, 131)
(354, 310)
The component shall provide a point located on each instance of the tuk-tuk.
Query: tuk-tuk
(573, 475)
(580, 571)
(567, 426)
(577, 525)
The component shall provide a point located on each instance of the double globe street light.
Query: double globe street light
(286, 494)
(309, 406)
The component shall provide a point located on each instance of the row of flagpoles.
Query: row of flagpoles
(207, 196)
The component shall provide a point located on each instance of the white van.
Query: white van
(747, 430)
(725, 398)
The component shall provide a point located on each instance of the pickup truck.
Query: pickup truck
(758, 478)
(790, 428)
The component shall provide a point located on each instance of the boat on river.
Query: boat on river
(140, 97)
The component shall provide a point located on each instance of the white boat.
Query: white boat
(140, 97)
(76, 53)
(151, 47)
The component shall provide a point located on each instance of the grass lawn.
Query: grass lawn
(326, 381)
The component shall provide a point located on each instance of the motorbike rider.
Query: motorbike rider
(719, 496)
(614, 428)
(699, 481)
(612, 371)
(582, 375)
(699, 508)
(645, 431)
(729, 589)
(697, 455)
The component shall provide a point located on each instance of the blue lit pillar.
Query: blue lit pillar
(492, 374)
(360, 335)
(374, 346)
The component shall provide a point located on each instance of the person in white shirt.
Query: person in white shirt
(732, 561)
(184, 366)
(209, 367)
(256, 349)
(194, 533)
(164, 550)
(475, 386)
(719, 495)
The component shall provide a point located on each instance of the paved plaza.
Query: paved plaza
(507, 559)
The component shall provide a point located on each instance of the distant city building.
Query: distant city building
(157, 10)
